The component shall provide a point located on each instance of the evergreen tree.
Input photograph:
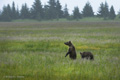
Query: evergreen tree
(37, 10)
(13, 11)
(106, 10)
(17, 13)
(112, 13)
(118, 14)
(76, 13)
(25, 14)
(0, 12)
(0, 15)
(9, 11)
(59, 12)
(52, 9)
(46, 12)
(65, 12)
(103, 11)
(5, 15)
(87, 10)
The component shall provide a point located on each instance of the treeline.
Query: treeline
(54, 10)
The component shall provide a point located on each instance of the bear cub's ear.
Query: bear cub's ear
(81, 53)
(70, 42)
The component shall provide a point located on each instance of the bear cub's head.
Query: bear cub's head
(68, 43)
(81, 53)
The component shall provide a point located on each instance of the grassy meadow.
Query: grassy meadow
(36, 50)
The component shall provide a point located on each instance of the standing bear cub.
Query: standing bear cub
(87, 55)
(71, 50)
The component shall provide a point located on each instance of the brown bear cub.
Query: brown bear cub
(71, 50)
(87, 55)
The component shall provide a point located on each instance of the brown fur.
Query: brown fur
(71, 51)
(87, 55)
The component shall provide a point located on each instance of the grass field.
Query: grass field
(87, 19)
(36, 51)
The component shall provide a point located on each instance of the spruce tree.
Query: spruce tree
(17, 13)
(112, 13)
(87, 10)
(118, 14)
(65, 12)
(59, 12)
(76, 13)
(0, 15)
(37, 10)
(14, 16)
(101, 10)
(52, 9)
(9, 11)
(5, 15)
(46, 12)
(106, 11)
(25, 14)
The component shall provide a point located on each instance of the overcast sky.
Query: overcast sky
(70, 3)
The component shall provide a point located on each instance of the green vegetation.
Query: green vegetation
(36, 51)
(87, 19)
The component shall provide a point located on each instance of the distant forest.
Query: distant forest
(54, 10)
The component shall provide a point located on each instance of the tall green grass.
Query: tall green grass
(36, 51)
